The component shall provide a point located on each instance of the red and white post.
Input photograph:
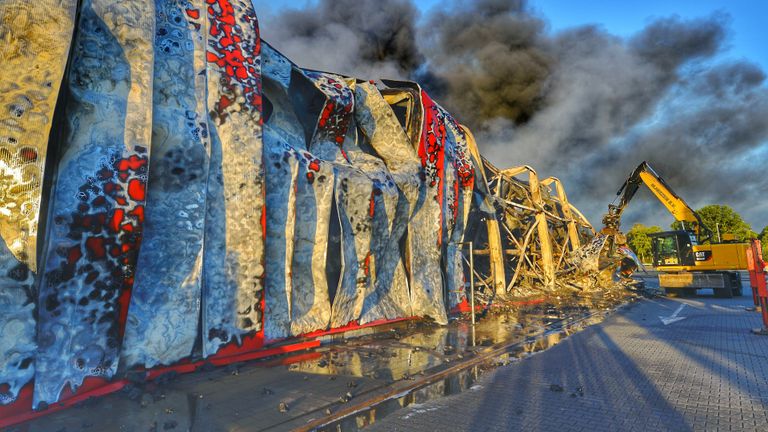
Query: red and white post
(757, 281)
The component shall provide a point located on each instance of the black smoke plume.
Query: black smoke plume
(363, 38)
(491, 58)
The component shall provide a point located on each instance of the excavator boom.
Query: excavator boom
(644, 174)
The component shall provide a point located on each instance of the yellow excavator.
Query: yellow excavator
(687, 259)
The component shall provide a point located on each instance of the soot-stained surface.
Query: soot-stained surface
(233, 273)
(36, 40)
(162, 323)
(97, 208)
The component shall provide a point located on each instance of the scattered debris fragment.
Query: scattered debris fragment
(282, 407)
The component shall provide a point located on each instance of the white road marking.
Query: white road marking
(674, 317)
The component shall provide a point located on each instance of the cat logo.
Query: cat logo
(702, 255)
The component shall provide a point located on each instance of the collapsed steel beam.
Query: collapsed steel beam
(545, 243)
(573, 233)
(495, 253)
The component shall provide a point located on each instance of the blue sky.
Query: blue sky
(748, 18)
(748, 38)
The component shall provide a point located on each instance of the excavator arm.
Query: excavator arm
(644, 174)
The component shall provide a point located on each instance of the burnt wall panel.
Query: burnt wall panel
(36, 40)
(461, 185)
(393, 205)
(233, 274)
(97, 208)
(353, 192)
(281, 168)
(425, 232)
(162, 323)
(310, 302)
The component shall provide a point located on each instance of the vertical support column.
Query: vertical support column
(492, 225)
(496, 256)
(547, 262)
(573, 233)
(472, 281)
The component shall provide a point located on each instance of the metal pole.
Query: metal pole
(472, 281)
(717, 227)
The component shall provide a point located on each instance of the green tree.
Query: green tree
(764, 240)
(725, 219)
(638, 240)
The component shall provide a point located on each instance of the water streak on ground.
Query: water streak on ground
(288, 392)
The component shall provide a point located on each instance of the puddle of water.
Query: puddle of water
(463, 380)
(536, 330)
(247, 397)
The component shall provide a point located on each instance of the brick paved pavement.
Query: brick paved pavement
(630, 373)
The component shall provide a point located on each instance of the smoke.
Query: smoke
(487, 60)
(708, 142)
(581, 104)
(361, 38)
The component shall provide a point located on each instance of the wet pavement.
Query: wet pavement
(371, 373)
(633, 371)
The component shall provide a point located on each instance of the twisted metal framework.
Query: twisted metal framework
(539, 233)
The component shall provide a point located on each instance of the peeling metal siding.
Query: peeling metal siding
(425, 230)
(97, 208)
(36, 39)
(233, 275)
(162, 323)
(310, 302)
(388, 139)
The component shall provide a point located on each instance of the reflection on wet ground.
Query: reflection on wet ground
(373, 375)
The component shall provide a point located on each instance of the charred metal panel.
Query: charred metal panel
(283, 134)
(459, 186)
(425, 234)
(335, 117)
(310, 302)
(233, 274)
(385, 135)
(275, 67)
(353, 193)
(281, 168)
(387, 290)
(97, 208)
(35, 46)
(162, 323)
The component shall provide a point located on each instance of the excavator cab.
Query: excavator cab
(673, 248)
